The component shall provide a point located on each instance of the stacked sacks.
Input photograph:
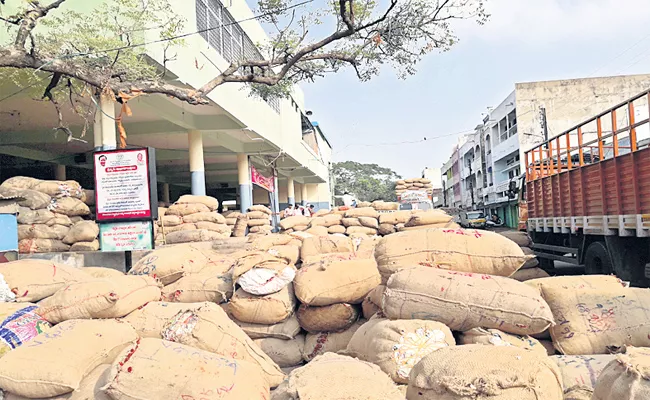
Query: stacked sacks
(457, 249)
(381, 205)
(46, 214)
(295, 223)
(194, 219)
(403, 185)
(330, 288)
(259, 220)
(579, 374)
(361, 221)
(326, 224)
(626, 378)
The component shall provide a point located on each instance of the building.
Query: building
(532, 112)
(199, 149)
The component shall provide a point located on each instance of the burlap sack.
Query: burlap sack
(36, 246)
(149, 320)
(521, 238)
(157, 369)
(495, 337)
(211, 226)
(32, 217)
(288, 252)
(62, 220)
(60, 188)
(290, 222)
(326, 244)
(320, 343)
(386, 229)
(397, 346)
(360, 230)
(365, 245)
(317, 221)
(482, 372)
(336, 377)
(89, 387)
(269, 309)
(100, 298)
(348, 222)
(84, 231)
(625, 378)
(258, 222)
(183, 209)
(579, 374)
(528, 274)
(33, 199)
(369, 222)
(372, 303)
(361, 212)
(428, 218)
(332, 219)
(533, 262)
(385, 206)
(20, 182)
(231, 221)
(170, 263)
(257, 215)
(394, 218)
(474, 251)
(205, 217)
(330, 282)
(463, 301)
(209, 328)
(33, 280)
(318, 231)
(596, 321)
(336, 229)
(195, 236)
(258, 259)
(210, 202)
(301, 228)
(240, 226)
(169, 221)
(203, 286)
(582, 282)
(55, 364)
(19, 324)
(266, 242)
(285, 330)
(332, 318)
(85, 246)
(285, 353)
(262, 208)
(42, 231)
(69, 206)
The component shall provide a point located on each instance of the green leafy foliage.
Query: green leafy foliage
(368, 182)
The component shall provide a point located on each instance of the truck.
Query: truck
(585, 194)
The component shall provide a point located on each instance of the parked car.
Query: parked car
(473, 219)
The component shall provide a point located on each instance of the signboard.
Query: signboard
(123, 182)
(262, 181)
(126, 236)
(414, 196)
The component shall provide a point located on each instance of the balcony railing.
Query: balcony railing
(502, 187)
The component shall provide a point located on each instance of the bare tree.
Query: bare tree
(82, 54)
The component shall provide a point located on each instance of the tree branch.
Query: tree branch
(29, 18)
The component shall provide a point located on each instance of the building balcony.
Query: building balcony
(502, 187)
(505, 148)
(476, 165)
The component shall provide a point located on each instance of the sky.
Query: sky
(524, 40)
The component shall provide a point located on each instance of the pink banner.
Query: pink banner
(262, 181)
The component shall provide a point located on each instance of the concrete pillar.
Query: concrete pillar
(276, 203)
(197, 167)
(166, 198)
(245, 186)
(59, 172)
(107, 121)
(303, 196)
(291, 191)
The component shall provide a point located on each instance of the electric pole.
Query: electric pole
(543, 122)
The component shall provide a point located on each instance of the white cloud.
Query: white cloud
(547, 21)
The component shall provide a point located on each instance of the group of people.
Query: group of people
(307, 210)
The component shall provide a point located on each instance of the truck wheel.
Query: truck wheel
(597, 260)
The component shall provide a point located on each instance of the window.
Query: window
(222, 32)
(511, 174)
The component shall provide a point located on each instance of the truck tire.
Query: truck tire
(598, 260)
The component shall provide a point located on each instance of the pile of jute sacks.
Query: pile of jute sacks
(51, 215)
(367, 221)
(191, 219)
(403, 185)
(428, 314)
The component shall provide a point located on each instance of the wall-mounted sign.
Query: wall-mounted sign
(123, 185)
(126, 236)
(262, 181)
(414, 196)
